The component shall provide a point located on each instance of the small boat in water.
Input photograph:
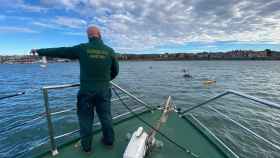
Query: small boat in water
(44, 62)
(209, 81)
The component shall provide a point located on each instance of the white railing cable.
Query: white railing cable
(262, 101)
(246, 129)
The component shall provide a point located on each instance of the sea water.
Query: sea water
(154, 81)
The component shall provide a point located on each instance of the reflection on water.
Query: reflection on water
(258, 78)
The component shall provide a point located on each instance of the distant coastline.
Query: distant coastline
(230, 55)
(29, 59)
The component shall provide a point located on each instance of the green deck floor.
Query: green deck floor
(179, 129)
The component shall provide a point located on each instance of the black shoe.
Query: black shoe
(79, 145)
(108, 145)
(88, 151)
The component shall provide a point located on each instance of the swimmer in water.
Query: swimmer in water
(186, 75)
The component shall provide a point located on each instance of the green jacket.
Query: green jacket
(98, 63)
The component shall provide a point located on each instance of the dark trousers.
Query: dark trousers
(100, 100)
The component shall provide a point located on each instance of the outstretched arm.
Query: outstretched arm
(62, 52)
(114, 67)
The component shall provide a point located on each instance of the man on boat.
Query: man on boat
(98, 66)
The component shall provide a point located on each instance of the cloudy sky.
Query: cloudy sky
(141, 26)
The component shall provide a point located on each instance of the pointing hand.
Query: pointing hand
(33, 51)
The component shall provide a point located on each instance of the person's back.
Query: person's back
(95, 65)
(98, 66)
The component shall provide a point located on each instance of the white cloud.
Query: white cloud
(31, 8)
(12, 29)
(68, 4)
(46, 25)
(21, 4)
(61, 23)
(75, 33)
(147, 24)
(70, 22)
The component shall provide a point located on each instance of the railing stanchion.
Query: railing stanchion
(50, 126)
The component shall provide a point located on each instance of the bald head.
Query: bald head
(93, 31)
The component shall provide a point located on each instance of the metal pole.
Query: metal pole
(262, 101)
(163, 118)
(50, 126)
(201, 104)
(132, 96)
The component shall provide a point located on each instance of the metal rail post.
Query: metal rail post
(50, 126)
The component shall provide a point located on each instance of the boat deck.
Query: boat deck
(183, 131)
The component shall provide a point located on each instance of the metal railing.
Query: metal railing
(249, 97)
(49, 114)
(52, 138)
